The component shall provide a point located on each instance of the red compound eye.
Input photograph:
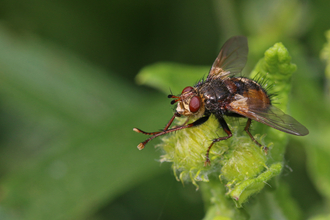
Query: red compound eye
(187, 89)
(195, 104)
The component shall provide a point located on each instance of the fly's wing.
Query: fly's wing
(267, 114)
(231, 59)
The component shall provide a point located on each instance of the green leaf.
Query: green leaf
(74, 148)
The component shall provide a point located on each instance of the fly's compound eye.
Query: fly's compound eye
(187, 89)
(195, 104)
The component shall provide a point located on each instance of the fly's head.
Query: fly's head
(190, 103)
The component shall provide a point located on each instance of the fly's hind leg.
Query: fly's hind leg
(247, 129)
(227, 130)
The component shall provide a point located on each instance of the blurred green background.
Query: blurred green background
(69, 101)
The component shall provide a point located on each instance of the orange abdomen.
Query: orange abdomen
(250, 89)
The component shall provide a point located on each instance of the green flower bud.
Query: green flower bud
(235, 159)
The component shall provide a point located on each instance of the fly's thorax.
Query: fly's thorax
(214, 93)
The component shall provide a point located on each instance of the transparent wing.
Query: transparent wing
(267, 114)
(231, 59)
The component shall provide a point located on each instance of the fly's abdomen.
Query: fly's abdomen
(256, 95)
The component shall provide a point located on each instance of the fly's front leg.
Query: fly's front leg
(156, 134)
(166, 127)
(227, 130)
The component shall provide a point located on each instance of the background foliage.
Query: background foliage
(69, 101)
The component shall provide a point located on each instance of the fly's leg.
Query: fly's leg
(247, 129)
(227, 130)
(156, 134)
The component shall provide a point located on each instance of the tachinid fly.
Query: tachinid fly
(223, 93)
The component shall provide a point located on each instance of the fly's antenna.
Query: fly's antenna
(177, 98)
